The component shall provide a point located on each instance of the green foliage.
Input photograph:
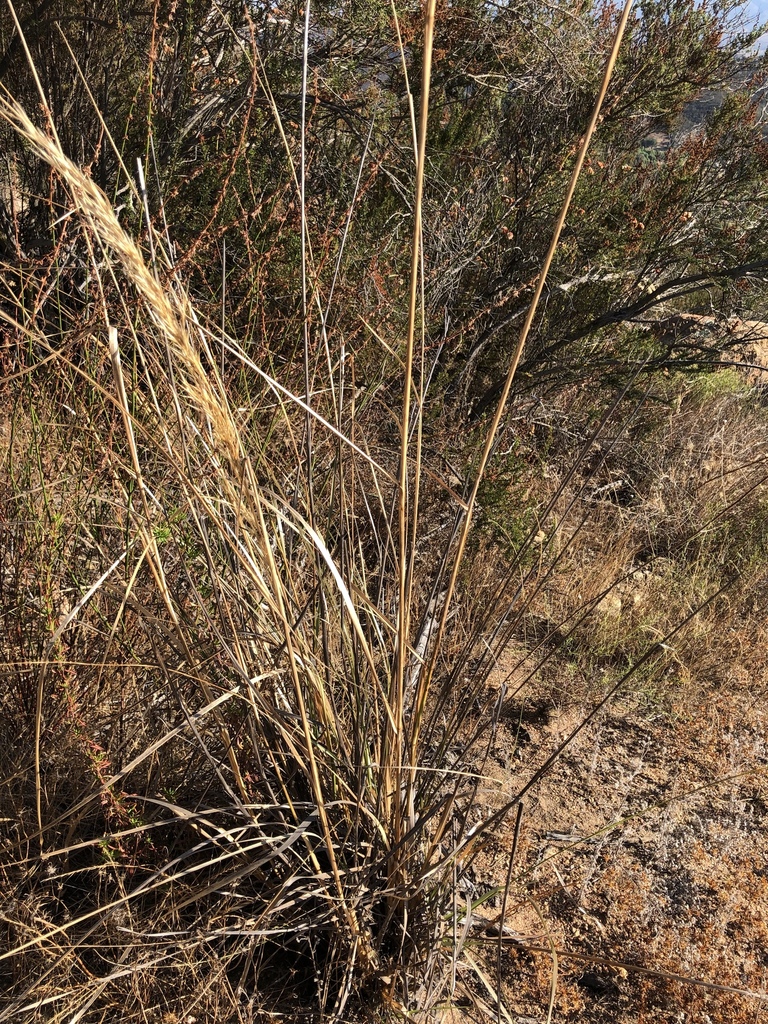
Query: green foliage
(507, 517)
(653, 224)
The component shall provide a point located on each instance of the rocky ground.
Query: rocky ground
(640, 885)
(639, 889)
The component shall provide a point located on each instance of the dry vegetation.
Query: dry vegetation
(642, 849)
(323, 699)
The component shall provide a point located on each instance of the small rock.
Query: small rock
(610, 606)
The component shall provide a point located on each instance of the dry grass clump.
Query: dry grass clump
(249, 739)
(220, 800)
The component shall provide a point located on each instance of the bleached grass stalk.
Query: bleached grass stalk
(407, 510)
(426, 676)
(94, 207)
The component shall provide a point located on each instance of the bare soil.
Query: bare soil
(641, 879)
